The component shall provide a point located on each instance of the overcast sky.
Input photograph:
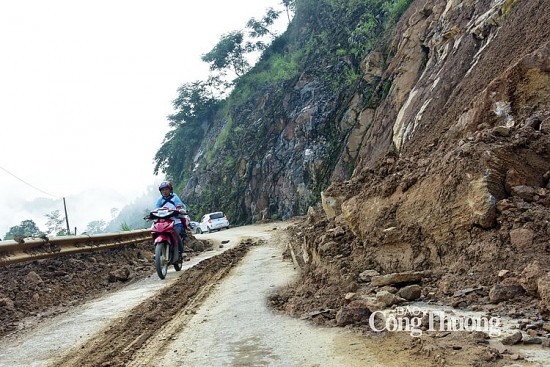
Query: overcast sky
(85, 88)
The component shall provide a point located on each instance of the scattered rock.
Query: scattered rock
(388, 299)
(480, 337)
(504, 204)
(533, 340)
(34, 278)
(529, 277)
(512, 339)
(410, 292)
(350, 296)
(77, 264)
(522, 238)
(513, 178)
(527, 193)
(396, 278)
(329, 248)
(388, 288)
(7, 305)
(354, 313)
(122, 275)
(367, 275)
(500, 348)
(331, 205)
(502, 292)
(502, 131)
(463, 292)
(482, 204)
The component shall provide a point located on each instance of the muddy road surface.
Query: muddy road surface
(213, 313)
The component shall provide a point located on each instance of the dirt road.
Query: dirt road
(234, 327)
(214, 313)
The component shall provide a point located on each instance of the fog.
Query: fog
(86, 88)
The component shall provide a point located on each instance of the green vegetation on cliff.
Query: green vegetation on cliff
(223, 128)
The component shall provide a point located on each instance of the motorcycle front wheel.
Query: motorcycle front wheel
(161, 259)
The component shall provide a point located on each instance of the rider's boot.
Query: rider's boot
(180, 251)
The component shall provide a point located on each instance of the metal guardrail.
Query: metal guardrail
(28, 249)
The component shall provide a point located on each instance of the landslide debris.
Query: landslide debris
(44, 288)
(450, 197)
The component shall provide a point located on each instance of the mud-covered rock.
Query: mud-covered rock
(521, 238)
(34, 278)
(512, 339)
(530, 275)
(121, 275)
(504, 292)
(354, 313)
(527, 193)
(543, 288)
(397, 278)
(388, 299)
(410, 292)
(367, 275)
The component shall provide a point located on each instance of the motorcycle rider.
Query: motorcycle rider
(172, 201)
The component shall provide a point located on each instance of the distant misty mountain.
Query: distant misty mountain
(88, 206)
(131, 215)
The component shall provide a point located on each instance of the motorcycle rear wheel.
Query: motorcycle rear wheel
(162, 259)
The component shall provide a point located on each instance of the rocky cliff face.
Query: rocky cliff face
(270, 156)
(280, 152)
(453, 170)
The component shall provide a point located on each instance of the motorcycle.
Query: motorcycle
(165, 240)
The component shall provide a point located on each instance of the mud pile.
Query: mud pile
(406, 234)
(406, 218)
(46, 287)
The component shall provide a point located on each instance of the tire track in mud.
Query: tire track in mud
(148, 328)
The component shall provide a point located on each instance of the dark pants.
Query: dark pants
(178, 228)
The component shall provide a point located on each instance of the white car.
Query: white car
(212, 221)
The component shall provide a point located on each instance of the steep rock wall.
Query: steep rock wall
(453, 173)
(282, 143)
